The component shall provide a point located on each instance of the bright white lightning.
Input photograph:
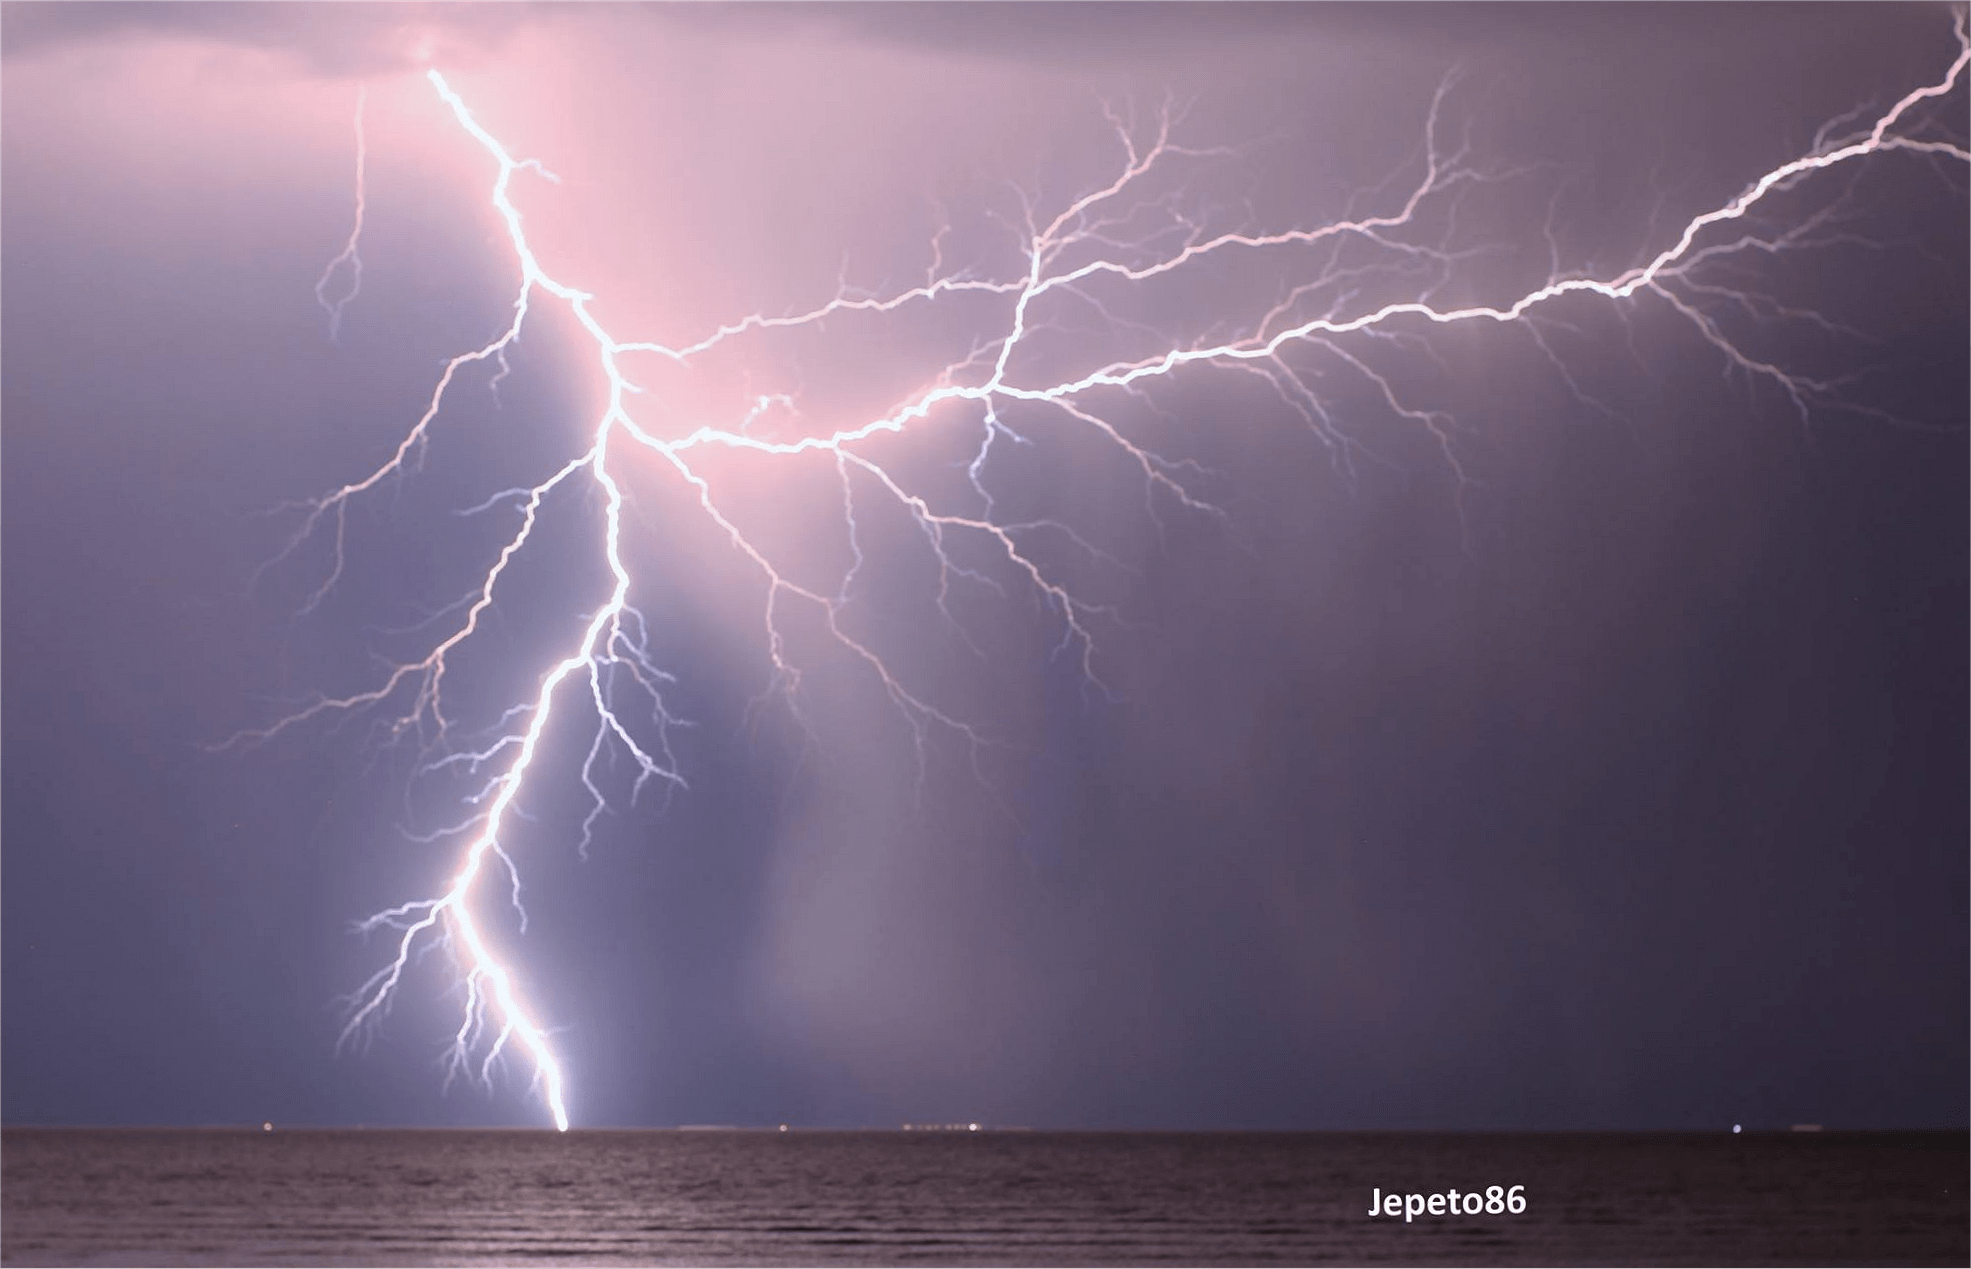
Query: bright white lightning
(610, 645)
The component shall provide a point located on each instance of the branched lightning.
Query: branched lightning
(348, 256)
(1079, 259)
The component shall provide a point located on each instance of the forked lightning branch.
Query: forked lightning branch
(606, 681)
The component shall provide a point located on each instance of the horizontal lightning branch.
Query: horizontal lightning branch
(1069, 261)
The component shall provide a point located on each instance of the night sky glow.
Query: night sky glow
(1083, 565)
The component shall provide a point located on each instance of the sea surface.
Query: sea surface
(368, 1197)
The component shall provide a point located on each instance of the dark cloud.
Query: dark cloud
(357, 38)
(1036, 31)
(327, 39)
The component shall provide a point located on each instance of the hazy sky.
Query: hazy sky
(1587, 750)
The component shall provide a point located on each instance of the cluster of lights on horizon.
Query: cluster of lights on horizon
(611, 652)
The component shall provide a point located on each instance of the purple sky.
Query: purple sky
(1597, 759)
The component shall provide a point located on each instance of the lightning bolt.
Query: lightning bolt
(1079, 260)
(347, 256)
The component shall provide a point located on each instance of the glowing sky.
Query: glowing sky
(1593, 756)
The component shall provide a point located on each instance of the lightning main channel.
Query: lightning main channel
(1092, 243)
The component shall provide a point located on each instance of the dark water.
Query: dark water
(874, 1198)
